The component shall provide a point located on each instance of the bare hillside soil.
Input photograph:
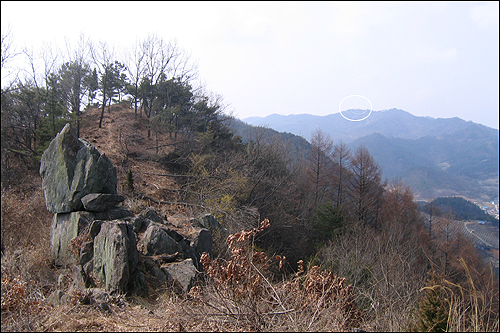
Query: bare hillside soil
(124, 139)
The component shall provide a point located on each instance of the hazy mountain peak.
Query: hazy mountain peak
(393, 122)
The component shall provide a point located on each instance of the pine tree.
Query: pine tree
(129, 182)
(432, 313)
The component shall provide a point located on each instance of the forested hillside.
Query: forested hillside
(459, 207)
(459, 163)
(318, 240)
(435, 157)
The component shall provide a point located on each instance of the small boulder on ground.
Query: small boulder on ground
(182, 275)
(157, 241)
(151, 214)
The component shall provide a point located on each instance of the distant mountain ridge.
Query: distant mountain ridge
(390, 123)
(435, 156)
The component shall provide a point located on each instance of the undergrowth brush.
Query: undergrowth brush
(241, 293)
(244, 290)
(457, 307)
(27, 275)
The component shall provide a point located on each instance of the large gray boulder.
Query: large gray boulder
(115, 256)
(70, 232)
(72, 168)
(65, 227)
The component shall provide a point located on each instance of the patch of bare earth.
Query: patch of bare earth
(123, 137)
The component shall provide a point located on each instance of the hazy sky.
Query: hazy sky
(438, 59)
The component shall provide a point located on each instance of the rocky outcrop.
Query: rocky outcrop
(106, 246)
(115, 255)
(70, 232)
(72, 168)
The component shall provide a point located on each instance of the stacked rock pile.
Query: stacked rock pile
(104, 244)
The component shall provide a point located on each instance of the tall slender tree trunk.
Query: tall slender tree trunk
(102, 109)
(53, 124)
(135, 101)
(78, 123)
(156, 143)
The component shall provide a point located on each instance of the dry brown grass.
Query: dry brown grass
(458, 307)
(25, 219)
(124, 140)
(27, 277)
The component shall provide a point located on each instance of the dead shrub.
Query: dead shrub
(25, 220)
(241, 290)
(22, 303)
(27, 276)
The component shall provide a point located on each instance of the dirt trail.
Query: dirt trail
(124, 139)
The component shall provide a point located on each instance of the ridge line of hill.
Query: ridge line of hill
(434, 156)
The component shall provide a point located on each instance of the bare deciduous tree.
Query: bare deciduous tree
(366, 187)
(73, 76)
(8, 53)
(164, 62)
(33, 80)
(102, 56)
(136, 66)
(341, 157)
(320, 166)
